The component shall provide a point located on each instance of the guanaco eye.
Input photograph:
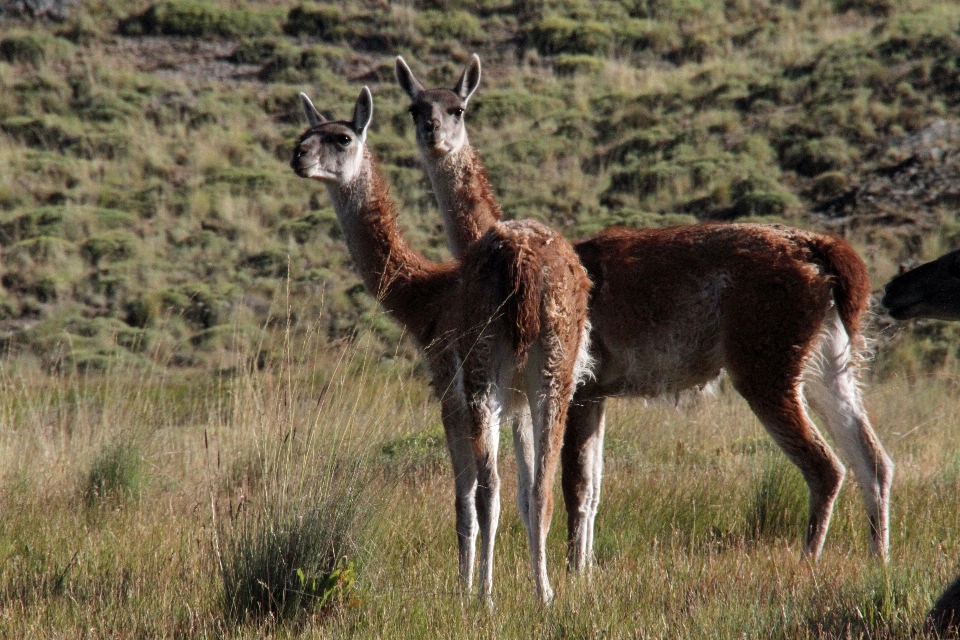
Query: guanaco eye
(342, 140)
(456, 113)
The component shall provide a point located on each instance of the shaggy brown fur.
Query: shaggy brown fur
(473, 207)
(672, 307)
(510, 319)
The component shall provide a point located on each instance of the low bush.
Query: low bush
(44, 221)
(322, 21)
(196, 303)
(815, 156)
(195, 18)
(295, 554)
(461, 26)
(111, 246)
(567, 64)
(118, 472)
(558, 34)
(26, 48)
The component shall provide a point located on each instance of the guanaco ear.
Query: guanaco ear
(363, 113)
(469, 79)
(410, 85)
(313, 116)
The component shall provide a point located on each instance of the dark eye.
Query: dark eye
(456, 113)
(342, 140)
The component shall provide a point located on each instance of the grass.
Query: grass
(144, 147)
(209, 430)
(306, 496)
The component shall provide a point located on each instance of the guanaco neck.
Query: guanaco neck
(410, 287)
(467, 204)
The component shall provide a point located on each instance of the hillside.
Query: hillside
(147, 211)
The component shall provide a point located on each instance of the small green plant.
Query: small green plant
(315, 20)
(292, 556)
(203, 19)
(559, 34)
(567, 64)
(23, 48)
(778, 507)
(118, 472)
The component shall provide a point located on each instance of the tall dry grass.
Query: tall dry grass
(307, 493)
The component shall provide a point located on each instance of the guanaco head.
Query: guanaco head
(438, 113)
(332, 152)
(932, 290)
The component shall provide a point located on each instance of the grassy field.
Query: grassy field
(147, 206)
(153, 504)
(207, 428)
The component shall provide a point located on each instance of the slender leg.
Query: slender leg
(785, 418)
(834, 393)
(487, 408)
(456, 424)
(582, 462)
(548, 398)
(523, 450)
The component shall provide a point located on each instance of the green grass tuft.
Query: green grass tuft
(779, 504)
(118, 472)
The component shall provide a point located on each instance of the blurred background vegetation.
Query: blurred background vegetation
(147, 211)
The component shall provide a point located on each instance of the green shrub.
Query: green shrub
(243, 180)
(498, 105)
(762, 203)
(304, 229)
(118, 472)
(42, 249)
(45, 221)
(256, 51)
(111, 246)
(142, 311)
(271, 263)
(570, 64)
(426, 443)
(315, 21)
(557, 34)
(640, 35)
(26, 48)
(304, 64)
(196, 303)
(204, 20)
(47, 132)
(829, 184)
(113, 218)
(293, 555)
(880, 8)
(136, 340)
(450, 25)
(815, 156)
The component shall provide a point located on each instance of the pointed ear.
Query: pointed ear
(363, 113)
(469, 80)
(410, 85)
(313, 116)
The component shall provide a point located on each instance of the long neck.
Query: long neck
(466, 199)
(408, 285)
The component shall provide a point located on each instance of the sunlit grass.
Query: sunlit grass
(699, 532)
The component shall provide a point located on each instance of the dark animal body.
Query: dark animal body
(931, 290)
